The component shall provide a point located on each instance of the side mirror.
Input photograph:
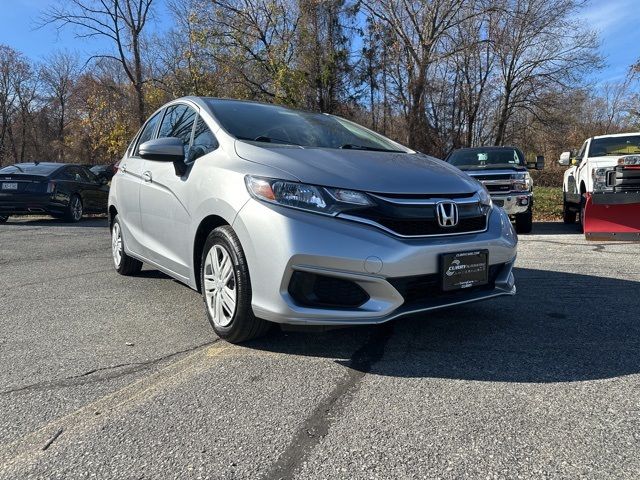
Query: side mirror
(169, 149)
(565, 158)
(540, 162)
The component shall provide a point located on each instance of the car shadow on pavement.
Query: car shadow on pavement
(555, 228)
(560, 327)
(87, 222)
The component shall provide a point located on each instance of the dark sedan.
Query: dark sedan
(62, 190)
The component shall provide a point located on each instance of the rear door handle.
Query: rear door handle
(146, 176)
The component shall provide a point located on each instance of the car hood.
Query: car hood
(377, 172)
(605, 161)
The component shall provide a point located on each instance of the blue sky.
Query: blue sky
(616, 20)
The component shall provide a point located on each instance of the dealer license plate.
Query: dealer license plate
(9, 186)
(464, 269)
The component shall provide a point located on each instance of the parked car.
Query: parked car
(63, 190)
(280, 215)
(104, 171)
(503, 171)
(602, 186)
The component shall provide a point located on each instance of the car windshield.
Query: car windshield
(31, 168)
(481, 158)
(284, 126)
(601, 147)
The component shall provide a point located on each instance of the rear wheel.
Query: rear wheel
(524, 221)
(568, 215)
(74, 209)
(125, 265)
(226, 288)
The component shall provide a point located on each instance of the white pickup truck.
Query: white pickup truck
(602, 186)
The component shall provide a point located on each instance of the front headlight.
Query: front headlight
(485, 198)
(521, 181)
(601, 181)
(313, 198)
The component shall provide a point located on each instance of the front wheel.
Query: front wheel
(74, 210)
(125, 265)
(568, 215)
(524, 221)
(4, 218)
(226, 288)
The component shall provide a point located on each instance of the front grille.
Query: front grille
(498, 188)
(420, 227)
(421, 288)
(321, 291)
(414, 217)
(627, 179)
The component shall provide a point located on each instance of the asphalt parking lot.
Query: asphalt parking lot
(103, 376)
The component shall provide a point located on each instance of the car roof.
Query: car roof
(613, 135)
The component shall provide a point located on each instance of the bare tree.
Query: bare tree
(122, 22)
(59, 74)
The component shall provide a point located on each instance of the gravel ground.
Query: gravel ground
(108, 377)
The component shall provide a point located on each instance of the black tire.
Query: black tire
(524, 221)
(242, 324)
(74, 210)
(4, 218)
(583, 203)
(568, 215)
(124, 264)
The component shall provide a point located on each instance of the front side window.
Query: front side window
(178, 122)
(147, 132)
(204, 141)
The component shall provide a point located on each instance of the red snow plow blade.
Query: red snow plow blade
(612, 216)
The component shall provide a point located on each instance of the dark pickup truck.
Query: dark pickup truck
(503, 171)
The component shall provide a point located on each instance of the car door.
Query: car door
(164, 215)
(129, 179)
(97, 190)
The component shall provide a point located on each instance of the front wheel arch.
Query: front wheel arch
(207, 225)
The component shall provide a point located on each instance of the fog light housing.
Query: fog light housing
(523, 201)
(322, 291)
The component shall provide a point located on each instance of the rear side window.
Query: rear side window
(147, 132)
(178, 122)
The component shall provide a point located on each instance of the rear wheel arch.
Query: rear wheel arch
(207, 225)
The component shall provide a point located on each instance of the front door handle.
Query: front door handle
(146, 176)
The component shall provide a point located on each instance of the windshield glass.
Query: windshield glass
(601, 147)
(284, 126)
(486, 158)
(31, 168)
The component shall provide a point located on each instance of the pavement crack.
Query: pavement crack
(317, 425)
(114, 371)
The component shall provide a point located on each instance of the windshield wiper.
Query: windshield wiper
(350, 146)
(265, 139)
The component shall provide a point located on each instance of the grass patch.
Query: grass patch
(547, 203)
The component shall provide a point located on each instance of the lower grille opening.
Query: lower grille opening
(421, 288)
(321, 291)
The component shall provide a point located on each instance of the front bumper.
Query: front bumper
(278, 241)
(513, 203)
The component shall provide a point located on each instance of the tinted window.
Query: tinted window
(485, 157)
(147, 132)
(31, 168)
(280, 125)
(74, 174)
(204, 141)
(178, 122)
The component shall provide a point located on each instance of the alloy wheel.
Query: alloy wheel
(76, 209)
(116, 244)
(220, 285)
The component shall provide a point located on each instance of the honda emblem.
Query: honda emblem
(447, 214)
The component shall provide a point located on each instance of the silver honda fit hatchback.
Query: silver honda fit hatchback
(280, 215)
